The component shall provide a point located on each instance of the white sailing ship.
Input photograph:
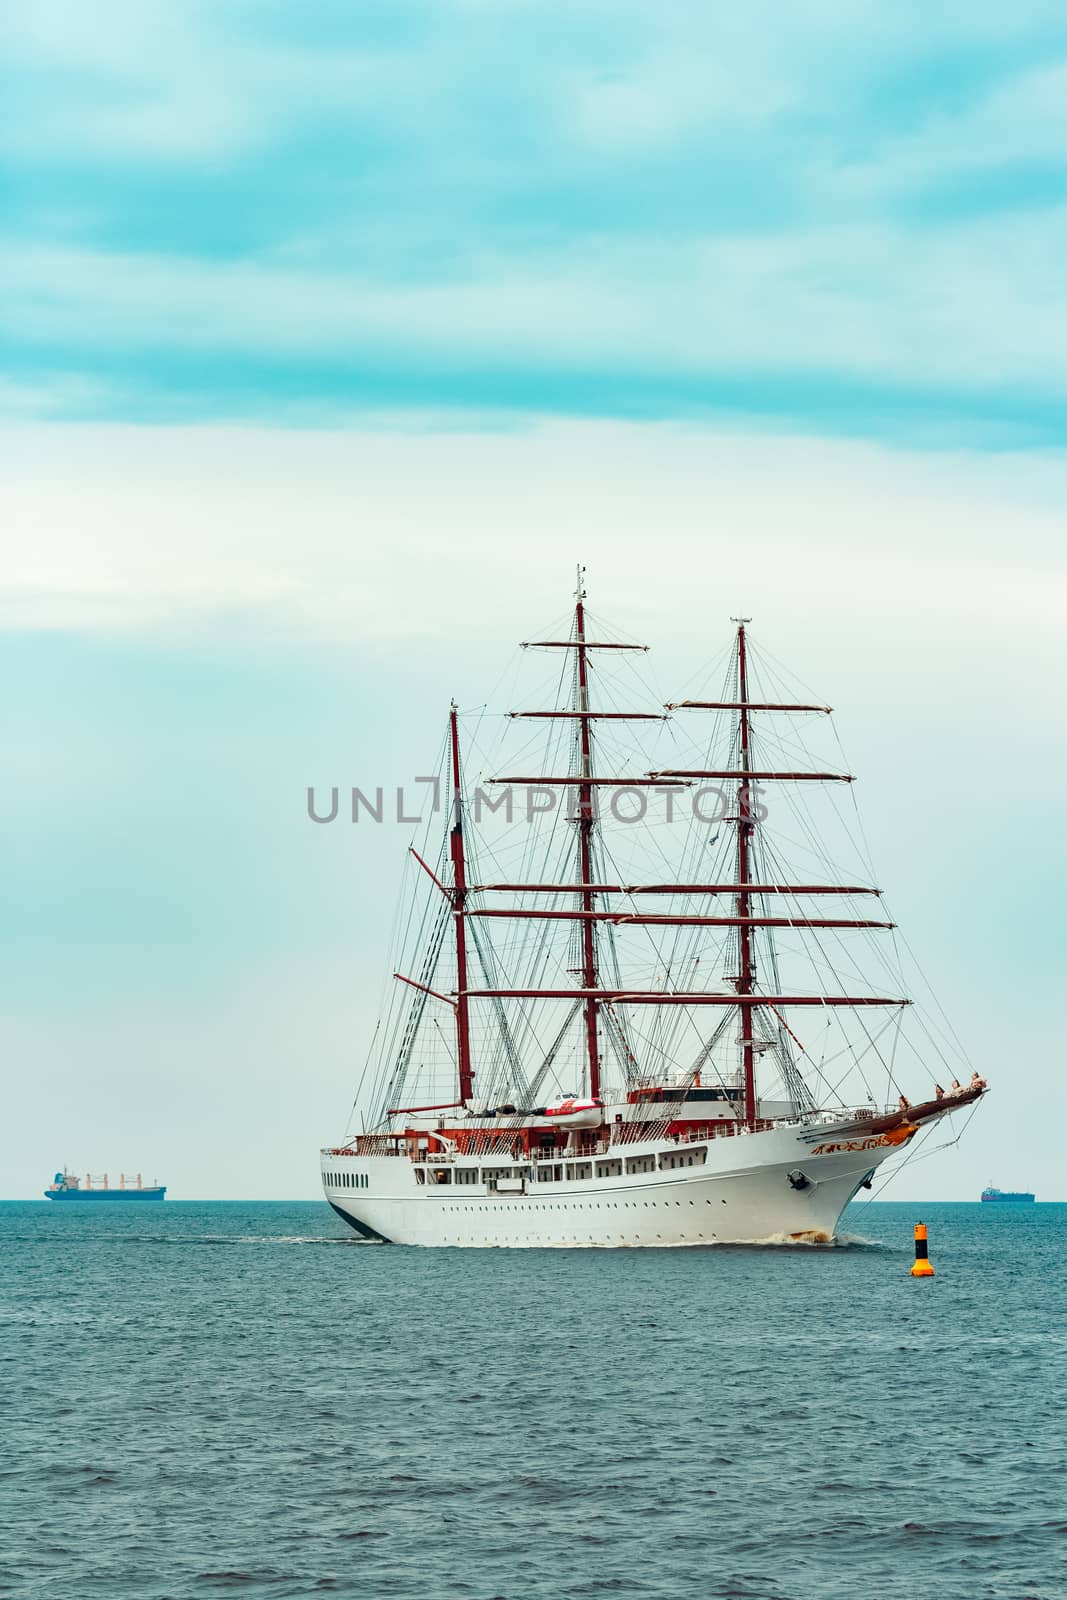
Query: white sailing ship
(589, 1039)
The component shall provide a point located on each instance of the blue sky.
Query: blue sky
(846, 217)
(335, 334)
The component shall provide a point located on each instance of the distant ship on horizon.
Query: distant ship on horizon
(992, 1193)
(66, 1186)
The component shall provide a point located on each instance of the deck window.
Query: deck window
(641, 1164)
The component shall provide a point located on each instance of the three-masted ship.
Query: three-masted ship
(590, 1038)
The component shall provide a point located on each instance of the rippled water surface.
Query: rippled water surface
(241, 1400)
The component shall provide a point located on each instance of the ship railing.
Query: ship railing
(530, 1161)
(729, 1129)
(619, 1134)
(647, 1132)
(865, 1113)
(368, 1144)
(638, 1132)
(488, 1143)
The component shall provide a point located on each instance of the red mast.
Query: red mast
(744, 879)
(585, 841)
(742, 890)
(459, 895)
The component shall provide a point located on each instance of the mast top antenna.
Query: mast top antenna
(741, 619)
(579, 592)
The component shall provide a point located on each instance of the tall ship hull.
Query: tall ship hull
(782, 1185)
(717, 1101)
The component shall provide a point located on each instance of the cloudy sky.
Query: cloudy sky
(335, 335)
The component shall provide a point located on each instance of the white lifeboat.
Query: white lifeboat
(572, 1113)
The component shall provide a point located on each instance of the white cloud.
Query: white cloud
(938, 310)
(1020, 120)
(415, 204)
(378, 535)
(58, 395)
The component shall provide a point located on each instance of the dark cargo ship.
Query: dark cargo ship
(65, 1186)
(989, 1193)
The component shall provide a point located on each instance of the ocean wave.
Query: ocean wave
(789, 1241)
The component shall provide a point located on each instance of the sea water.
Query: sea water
(243, 1400)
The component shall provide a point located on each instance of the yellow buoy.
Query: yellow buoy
(922, 1267)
